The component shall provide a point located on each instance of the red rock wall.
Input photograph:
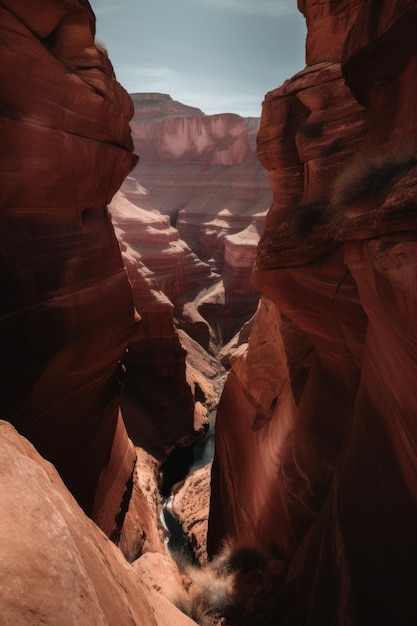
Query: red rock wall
(208, 139)
(158, 403)
(56, 566)
(316, 437)
(67, 312)
(201, 170)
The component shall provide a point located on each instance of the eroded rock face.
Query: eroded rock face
(188, 136)
(201, 194)
(324, 393)
(191, 506)
(158, 401)
(201, 170)
(239, 257)
(327, 24)
(67, 311)
(56, 565)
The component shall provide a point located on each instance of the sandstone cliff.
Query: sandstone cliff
(159, 390)
(66, 320)
(67, 310)
(56, 566)
(315, 435)
(201, 170)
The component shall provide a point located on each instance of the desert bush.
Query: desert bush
(205, 597)
(233, 557)
(214, 591)
(311, 130)
(101, 47)
(132, 546)
(183, 560)
(369, 173)
(307, 216)
(192, 604)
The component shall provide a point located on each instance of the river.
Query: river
(185, 461)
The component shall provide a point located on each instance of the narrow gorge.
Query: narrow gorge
(170, 279)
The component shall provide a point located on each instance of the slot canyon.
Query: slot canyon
(209, 381)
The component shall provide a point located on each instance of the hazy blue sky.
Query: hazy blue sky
(218, 55)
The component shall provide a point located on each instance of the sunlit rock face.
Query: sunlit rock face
(67, 311)
(158, 400)
(177, 132)
(201, 170)
(56, 566)
(175, 267)
(327, 24)
(316, 439)
(240, 255)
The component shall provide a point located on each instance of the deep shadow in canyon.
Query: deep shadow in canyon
(132, 292)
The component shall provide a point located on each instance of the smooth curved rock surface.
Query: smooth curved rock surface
(67, 312)
(56, 566)
(315, 448)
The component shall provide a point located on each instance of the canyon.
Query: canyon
(325, 446)
(279, 253)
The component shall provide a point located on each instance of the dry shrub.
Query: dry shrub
(192, 604)
(234, 558)
(369, 173)
(213, 591)
(101, 47)
(311, 130)
(307, 216)
(206, 595)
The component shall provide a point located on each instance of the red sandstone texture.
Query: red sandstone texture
(158, 402)
(201, 170)
(56, 566)
(315, 434)
(200, 191)
(67, 311)
(191, 506)
(171, 381)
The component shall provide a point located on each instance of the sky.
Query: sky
(221, 56)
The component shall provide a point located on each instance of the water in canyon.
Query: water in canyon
(181, 463)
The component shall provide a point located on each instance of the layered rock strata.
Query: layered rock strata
(239, 260)
(67, 312)
(315, 434)
(202, 173)
(159, 397)
(201, 170)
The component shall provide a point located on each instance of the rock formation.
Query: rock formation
(67, 311)
(67, 318)
(159, 394)
(199, 190)
(315, 435)
(56, 566)
(201, 170)
(191, 506)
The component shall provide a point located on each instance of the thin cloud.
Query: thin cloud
(249, 105)
(149, 79)
(149, 72)
(271, 8)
